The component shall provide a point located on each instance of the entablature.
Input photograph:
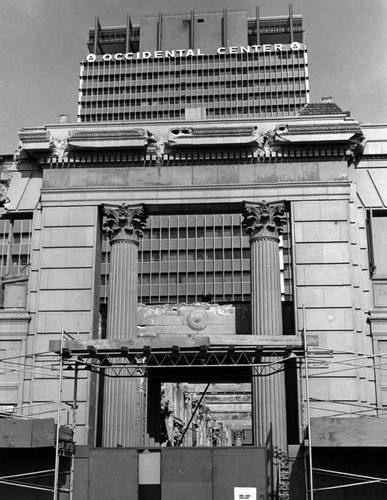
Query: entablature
(150, 145)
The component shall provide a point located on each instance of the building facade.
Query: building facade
(183, 294)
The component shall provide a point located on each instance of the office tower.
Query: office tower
(195, 66)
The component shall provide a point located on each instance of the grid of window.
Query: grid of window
(221, 86)
(15, 246)
(274, 25)
(184, 258)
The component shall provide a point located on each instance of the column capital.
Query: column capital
(264, 218)
(124, 222)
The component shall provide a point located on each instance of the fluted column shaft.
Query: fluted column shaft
(123, 302)
(263, 221)
(266, 309)
(123, 410)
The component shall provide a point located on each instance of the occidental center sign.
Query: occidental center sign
(159, 54)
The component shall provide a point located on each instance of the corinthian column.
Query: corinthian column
(123, 397)
(263, 222)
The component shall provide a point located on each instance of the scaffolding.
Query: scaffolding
(135, 358)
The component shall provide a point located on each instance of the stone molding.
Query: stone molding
(217, 131)
(9, 320)
(124, 223)
(379, 316)
(315, 184)
(34, 137)
(99, 135)
(264, 219)
(322, 129)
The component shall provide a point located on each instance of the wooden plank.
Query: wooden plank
(236, 466)
(187, 341)
(348, 432)
(27, 433)
(261, 340)
(15, 433)
(235, 416)
(186, 473)
(241, 388)
(113, 473)
(164, 342)
(228, 399)
(43, 432)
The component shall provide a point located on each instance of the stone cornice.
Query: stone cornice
(240, 154)
(196, 137)
(136, 138)
(35, 137)
(378, 316)
(271, 185)
(14, 278)
(73, 147)
(13, 316)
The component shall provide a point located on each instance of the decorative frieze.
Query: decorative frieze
(35, 137)
(102, 139)
(331, 128)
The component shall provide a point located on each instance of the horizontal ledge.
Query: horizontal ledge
(213, 343)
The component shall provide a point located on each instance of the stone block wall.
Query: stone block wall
(331, 284)
(64, 288)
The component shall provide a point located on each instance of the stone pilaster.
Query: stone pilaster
(123, 397)
(263, 222)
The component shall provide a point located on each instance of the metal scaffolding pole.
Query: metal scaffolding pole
(311, 490)
(59, 403)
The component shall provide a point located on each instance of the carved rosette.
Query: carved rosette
(264, 219)
(124, 223)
